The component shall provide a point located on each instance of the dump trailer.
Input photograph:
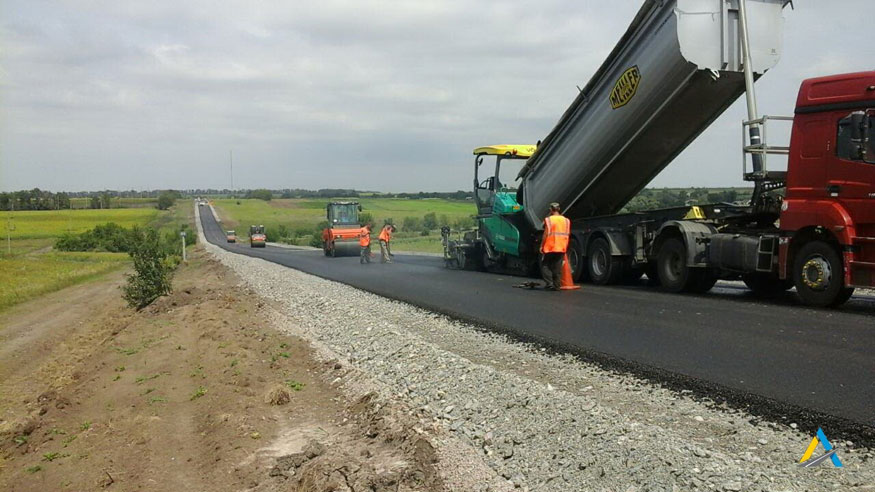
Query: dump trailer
(341, 237)
(679, 65)
(257, 236)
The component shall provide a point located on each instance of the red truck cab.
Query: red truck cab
(828, 214)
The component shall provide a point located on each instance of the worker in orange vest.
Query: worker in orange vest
(385, 237)
(365, 243)
(557, 230)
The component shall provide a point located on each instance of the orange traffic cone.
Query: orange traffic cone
(566, 283)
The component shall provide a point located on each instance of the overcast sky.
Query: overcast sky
(379, 95)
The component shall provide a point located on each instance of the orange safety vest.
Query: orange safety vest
(364, 237)
(557, 230)
(386, 234)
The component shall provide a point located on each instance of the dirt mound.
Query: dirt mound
(195, 392)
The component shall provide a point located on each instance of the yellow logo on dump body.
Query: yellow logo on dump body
(625, 87)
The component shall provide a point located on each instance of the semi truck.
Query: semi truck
(341, 237)
(679, 65)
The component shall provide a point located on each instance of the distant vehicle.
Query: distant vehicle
(231, 236)
(341, 237)
(257, 236)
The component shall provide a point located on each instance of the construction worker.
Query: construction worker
(385, 237)
(557, 230)
(365, 243)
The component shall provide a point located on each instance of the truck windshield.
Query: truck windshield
(508, 172)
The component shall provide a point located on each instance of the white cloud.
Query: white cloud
(370, 94)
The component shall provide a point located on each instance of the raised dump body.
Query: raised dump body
(676, 69)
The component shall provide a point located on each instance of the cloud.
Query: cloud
(382, 95)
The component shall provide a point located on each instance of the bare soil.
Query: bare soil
(195, 392)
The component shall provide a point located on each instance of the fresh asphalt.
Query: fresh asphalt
(804, 365)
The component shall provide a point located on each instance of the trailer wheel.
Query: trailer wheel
(671, 264)
(603, 268)
(818, 274)
(766, 285)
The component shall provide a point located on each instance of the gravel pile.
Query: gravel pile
(544, 422)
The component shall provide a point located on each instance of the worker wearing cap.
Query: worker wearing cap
(385, 237)
(365, 243)
(557, 230)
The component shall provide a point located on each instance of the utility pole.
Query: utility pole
(231, 161)
(9, 228)
(183, 245)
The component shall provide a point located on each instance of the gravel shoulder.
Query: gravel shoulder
(540, 421)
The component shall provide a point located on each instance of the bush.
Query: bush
(165, 201)
(444, 220)
(429, 221)
(411, 224)
(265, 195)
(152, 269)
(464, 223)
(366, 218)
(107, 237)
(424, 232)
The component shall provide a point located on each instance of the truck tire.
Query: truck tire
(766, 285)
(818, 274)
(603, 268)
(671, 264)
(575, 260)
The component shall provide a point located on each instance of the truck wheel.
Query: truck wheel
(818, 274)
(766, 285)
(575, 260)
(671, 265)
(603, 268)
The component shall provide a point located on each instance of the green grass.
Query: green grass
(298, 214)
(35, 224)
(33, 269)
(29, 276)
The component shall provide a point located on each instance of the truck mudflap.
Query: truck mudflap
(694, 235)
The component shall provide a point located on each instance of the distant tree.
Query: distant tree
(429, 221)
(165, 201)
(261, 194)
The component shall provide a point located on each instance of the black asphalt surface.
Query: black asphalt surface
(817, 362)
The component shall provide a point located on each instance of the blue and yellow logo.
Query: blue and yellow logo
(820, 437)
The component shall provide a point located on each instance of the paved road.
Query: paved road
(821, 360)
